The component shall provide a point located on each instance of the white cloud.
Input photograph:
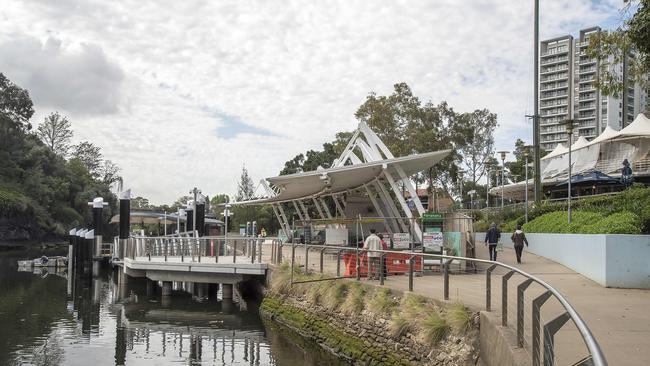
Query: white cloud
(297, 69)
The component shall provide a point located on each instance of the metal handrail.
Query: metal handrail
(596, 354)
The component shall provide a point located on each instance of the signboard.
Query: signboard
(432, 241)
(307, 233)
(401, 240)
(431, 217)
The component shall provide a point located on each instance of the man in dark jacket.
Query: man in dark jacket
(519, 238)
(492, 239)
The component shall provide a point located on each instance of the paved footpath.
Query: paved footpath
(618, 318)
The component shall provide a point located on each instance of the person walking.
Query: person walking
(492, 239)
(518, 239)
(371, 245)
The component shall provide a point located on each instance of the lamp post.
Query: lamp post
(226, 213)
(194, 192)
(503, 162)
(487, 164)
(526, 154)
(569, 130)
(165, 223)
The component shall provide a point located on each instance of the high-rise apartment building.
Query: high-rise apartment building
(566, 91)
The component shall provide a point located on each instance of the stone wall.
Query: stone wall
(366, 338)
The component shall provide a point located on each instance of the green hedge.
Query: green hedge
(586, 223)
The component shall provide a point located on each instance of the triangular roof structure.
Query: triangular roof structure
(608, 133)
(559, 150)
(639, 127)
(580, 142)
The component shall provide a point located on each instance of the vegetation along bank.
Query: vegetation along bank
(364, 324)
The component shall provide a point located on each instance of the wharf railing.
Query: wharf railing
(208, 249)
(359, 256)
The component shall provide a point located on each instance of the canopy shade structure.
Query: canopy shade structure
(340, 179)
(593, 176)
(366, 168)
(607, 134)
(559, 150)
(150, 217)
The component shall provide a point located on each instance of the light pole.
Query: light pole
(569, 130)
(503, 163)
(179, 213)
(526, 154)
(165, 224)
(226, 213)
(194, 192)
(487, 164)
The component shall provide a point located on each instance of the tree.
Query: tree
(90, 155)
(140, 203)
(245, 187)
(476, 131)
(219, 199)
(55, 132)
(615, 47)
(109, 174)
(389, 116)
(314, 159)
(16, 107)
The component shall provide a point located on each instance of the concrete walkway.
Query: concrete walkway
(618, 318)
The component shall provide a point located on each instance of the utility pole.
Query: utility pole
(536, 152)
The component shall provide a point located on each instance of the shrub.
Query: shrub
(335, 294)
(399, 325)
(586, 223)
(355, 301)
(618, 223)
(459, 317)
(433, 328)
(382, 302)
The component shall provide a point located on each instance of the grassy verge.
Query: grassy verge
(407, 314)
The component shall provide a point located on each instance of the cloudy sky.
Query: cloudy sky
(184, 94)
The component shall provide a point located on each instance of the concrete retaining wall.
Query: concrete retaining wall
(610, 260)
(498, 344)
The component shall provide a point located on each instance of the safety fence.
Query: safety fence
(520, 292)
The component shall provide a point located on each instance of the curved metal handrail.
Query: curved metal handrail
(594, 349)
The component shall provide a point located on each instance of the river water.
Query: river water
(50, 319)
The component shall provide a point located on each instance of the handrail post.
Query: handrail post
(504, 298)
(520, 310)
(537, 305)
(446, 278)
(166, 248)
(306, 258)
(549, 331)
(488, 287)
(381, 268)
(234, 251)
(358, 265)
(200, 248)
(411, 274)
(338, 263)
(322, 254)
(259, 251)
(182, 250)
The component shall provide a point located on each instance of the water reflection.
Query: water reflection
(60, 318)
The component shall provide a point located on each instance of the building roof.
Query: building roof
(559, 150)
(639, 127)
(152, 217)
(340, 179)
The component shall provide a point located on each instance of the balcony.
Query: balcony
(586, 61)
(554, 60)
(553, 69)
(555, 51)
(553, 104)
(551, 95)
(554, 86)
(547, 79)
(587, 97)
(586, 70)
(583, 106)
(583, 116)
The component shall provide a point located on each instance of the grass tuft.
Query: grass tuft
(459, 318)
(382, 302)
(355, 301)
(335, 295)
(399, 325)
(433, 328)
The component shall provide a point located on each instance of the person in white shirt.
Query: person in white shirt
(372, 245)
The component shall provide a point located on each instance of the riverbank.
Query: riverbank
(367, 325)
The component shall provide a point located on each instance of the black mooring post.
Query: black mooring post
(125, 223)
